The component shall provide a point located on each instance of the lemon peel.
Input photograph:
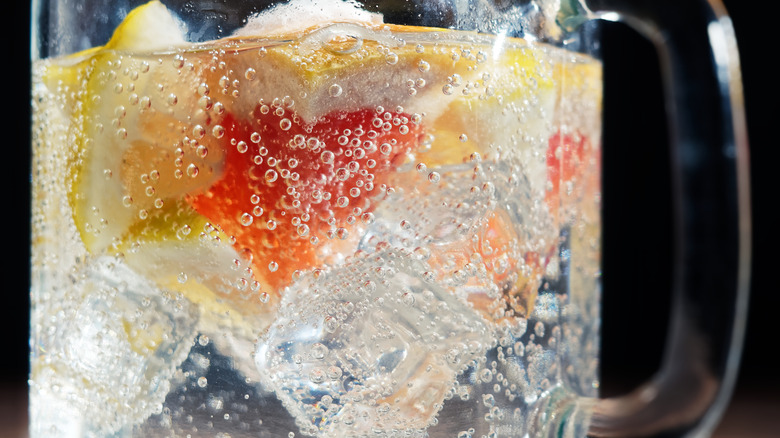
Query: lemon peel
(149, 27)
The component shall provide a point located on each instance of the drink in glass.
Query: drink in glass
(321, 225)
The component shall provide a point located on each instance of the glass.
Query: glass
(343, 218)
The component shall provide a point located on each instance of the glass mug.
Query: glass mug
(342, 218)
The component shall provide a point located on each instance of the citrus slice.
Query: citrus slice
(503, 113)
(296, 200)
(342, 67)
(134, 138)
(137, 149)
(149, 27)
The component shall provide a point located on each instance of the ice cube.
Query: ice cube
(481, 230)
(113, 344)
(369, 347)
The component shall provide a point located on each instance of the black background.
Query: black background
(636, 202)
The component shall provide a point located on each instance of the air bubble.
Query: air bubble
(422, 253)
(367, 218)
(319, 351)
(327, 157)
(192, 170)
(331, 324)
(178, 61)
(539, 329)
(246, 219)
(271, 175)
(342, 174)
(273, 266)
(198, 131)
(317, 376)
(184, 231)
(335, 90)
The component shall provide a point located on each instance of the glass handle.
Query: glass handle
(700, 66)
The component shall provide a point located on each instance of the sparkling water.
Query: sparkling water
(358, 231)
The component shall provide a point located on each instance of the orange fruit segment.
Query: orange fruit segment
(501, 275)
(290, 188)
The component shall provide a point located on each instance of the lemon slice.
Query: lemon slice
(340, 67)
(508, 106)
(137, 152)
(149, 27)
(132, 133)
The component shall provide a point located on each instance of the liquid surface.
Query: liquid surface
(355, 230)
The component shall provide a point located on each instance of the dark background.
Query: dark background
(637, 217)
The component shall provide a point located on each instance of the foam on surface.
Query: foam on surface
(299, 15)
